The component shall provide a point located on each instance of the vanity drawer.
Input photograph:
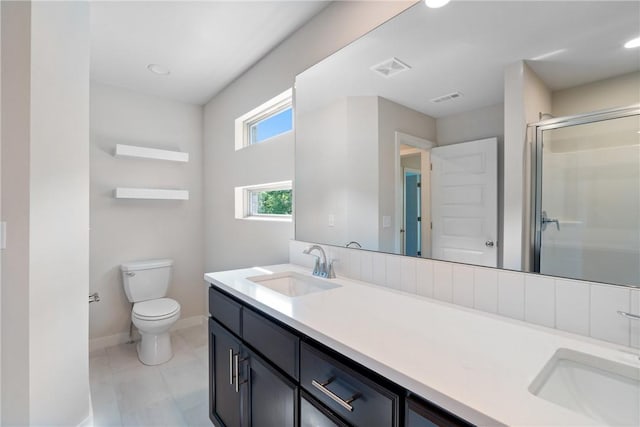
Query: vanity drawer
(334, 384)
(225, 310)
(273, 341)
(420, 413)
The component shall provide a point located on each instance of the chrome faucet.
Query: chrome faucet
(321, 268)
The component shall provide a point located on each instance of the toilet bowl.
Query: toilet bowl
(146, 284)
(154, 318)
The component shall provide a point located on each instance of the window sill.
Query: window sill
(266, 218)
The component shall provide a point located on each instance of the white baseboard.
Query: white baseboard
(123, 337)
(189, 322)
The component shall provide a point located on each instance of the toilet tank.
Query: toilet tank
(145, 280)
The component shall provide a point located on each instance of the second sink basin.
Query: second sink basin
(604, 390)
(293, 284)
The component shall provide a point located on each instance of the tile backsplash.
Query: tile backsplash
(584, 308)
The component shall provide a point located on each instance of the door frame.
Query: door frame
(403, 236)
(424, 145)
(536, 207)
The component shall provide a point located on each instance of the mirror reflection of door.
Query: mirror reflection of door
(413, 195)
(464, 202)
(412, 215)
(588, 208)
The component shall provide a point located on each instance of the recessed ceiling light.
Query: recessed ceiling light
(434, 4)
(632, 43)
(158, 69)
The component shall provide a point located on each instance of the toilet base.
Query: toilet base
(154, 349)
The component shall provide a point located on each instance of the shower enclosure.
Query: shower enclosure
(586, 213)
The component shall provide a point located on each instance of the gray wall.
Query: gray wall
(128, 230)
(45, 107)
(230, 242)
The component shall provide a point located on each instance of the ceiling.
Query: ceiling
(466, 45)
(204, 44)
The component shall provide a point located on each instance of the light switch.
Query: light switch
(386, 221)
(332, 220)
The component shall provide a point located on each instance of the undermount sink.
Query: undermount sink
(293, 284)
(604, 390)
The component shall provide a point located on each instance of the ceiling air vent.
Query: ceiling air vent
(390, 67)
(447, 97)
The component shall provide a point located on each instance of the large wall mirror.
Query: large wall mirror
(401, 138)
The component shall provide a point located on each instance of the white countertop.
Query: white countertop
(474, 364)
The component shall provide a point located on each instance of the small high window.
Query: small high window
(273, 118)
(266, 201)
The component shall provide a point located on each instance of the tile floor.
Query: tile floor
(124, 392)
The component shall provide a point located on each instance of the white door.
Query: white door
(464, 202)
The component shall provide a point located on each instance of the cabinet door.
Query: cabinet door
(272, 397)
(224, 406)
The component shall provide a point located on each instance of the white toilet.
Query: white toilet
(146, 283)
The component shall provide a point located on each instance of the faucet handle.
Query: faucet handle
(316, 266)
(331, 274)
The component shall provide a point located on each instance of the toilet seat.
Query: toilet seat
(155, 309)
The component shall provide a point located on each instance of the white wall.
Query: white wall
(16, 63)
(45, 47)
(232, 243)
(127, 230)
(481, 123)
(620, 91)
(361, 171)
(320, 194)
(394, 117)
(525, 97)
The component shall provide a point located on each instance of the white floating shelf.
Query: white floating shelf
(150, 193)
(150, 153)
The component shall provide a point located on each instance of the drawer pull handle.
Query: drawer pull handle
(231, 366)
(236, 362)
(344, 403)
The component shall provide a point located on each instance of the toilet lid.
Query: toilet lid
(156, 308)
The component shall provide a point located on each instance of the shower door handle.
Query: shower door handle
(546, 220)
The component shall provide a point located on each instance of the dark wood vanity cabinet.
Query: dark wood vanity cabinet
(420, 413)
(265, 374)
(244, 389)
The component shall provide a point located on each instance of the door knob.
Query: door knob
(489, 243)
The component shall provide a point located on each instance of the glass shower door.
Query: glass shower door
(587, 215)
